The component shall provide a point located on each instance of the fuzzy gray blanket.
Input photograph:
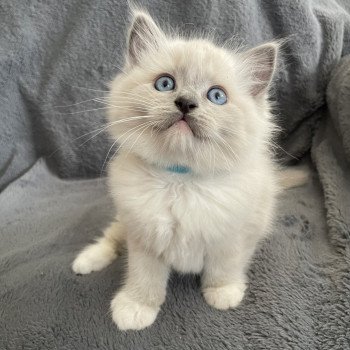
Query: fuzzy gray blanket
(55, 53)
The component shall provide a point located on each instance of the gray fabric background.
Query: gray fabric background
(297, 297)
(51, 54)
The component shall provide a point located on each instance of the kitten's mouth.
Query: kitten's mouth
(183, 125)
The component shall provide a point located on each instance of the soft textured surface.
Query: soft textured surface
(296, 298)
(51, 53)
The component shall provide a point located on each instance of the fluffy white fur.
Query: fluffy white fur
(210, 220)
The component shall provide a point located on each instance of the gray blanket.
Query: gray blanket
(57, 53)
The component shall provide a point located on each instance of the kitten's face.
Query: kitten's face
(187, 102)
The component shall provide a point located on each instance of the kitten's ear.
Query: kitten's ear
(262, 63)
(144, 35)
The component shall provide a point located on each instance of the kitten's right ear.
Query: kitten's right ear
(261, 62)
(144, 36)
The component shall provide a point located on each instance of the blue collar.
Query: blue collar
(178, 169)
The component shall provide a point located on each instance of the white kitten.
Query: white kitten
(194, 182)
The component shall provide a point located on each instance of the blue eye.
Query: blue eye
(217, 96)
(165, 83)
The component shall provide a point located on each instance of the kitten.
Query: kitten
(194, 182)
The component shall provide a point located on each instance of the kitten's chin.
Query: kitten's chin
(182, 127)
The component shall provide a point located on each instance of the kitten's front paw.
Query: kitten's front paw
(225, 297)
(93, 258)
(129, 314)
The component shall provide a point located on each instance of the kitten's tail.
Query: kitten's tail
(288, 178)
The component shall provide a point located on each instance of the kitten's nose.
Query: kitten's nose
(185, 105)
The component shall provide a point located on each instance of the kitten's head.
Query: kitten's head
(190, 102)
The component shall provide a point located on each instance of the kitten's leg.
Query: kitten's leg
(137, 304)
(224, 276)
(98, 255)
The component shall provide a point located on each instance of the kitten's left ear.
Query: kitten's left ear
(144, 35)
(262, 63)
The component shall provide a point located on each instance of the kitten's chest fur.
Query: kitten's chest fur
(178, 217)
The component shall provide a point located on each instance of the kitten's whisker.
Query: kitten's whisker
(275, 145)
(96, 109)
(75, 104)
(118, 148)
(92, 110)
(104, 126)
(132, 94)
(85, 88)
(93, 136)
(130, 102)
(127, 107)
(133, 99)
(214, 158)
(109, 151)
(201, 153)
(223, 155)
(101, 129)
(99, 100)
(228, 146)
(130, 106)
(210, 153)
(107, 125)
(103, 100)
(77, 138)
(230, 131)
(146, 95)
(120, 68)
(212, 149)
(144, 129)
(105, 160)
(85, 111)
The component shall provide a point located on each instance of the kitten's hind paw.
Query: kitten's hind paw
(94, 257)
(130, 314)
(224, 297)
